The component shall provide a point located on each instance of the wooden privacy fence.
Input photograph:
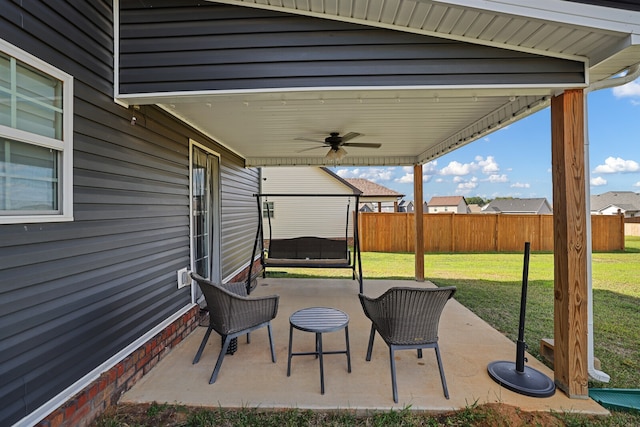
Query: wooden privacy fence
(449, 232)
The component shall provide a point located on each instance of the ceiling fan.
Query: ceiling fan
(335, 142)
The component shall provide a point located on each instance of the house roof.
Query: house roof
(603, 39)
(616, 198)
(446, 201)
(371, 189)
(516, 205)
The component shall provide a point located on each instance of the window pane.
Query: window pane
(39, 105)
(28, 178)
(5, 86)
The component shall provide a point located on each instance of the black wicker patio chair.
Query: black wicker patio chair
(407, 318)
(232, 313)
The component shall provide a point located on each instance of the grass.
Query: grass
(489, 285)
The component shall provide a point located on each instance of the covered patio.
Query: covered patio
(249, 378)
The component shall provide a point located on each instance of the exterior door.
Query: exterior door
(205, 212)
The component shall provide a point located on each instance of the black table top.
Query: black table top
(319, 319)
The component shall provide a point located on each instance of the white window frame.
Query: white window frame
(63, 146)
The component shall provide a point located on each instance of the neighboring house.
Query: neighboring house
(440, 204)
(616, 202)
(307, 216)
(474, 208)
(381, 198)
(367, 207)
(518, 206)
(404, 206)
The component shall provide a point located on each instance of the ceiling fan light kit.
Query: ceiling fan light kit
(336, 154)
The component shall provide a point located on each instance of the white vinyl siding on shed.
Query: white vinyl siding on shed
(306, 216)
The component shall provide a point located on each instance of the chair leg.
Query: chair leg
(394, 385)
(273, 353)
(223, 351)
(371, 337)
(444, 381)
(202, 345)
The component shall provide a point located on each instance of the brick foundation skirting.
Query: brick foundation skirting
(83, 408)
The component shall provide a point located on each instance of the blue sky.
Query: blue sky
(516, 161)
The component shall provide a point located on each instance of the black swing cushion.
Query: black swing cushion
(308, 251)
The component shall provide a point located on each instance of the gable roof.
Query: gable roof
(627, 200)
(517, 205)
(371, 189)
(446, 201)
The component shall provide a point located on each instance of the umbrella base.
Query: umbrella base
(529, 382)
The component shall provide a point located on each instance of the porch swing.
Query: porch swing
(307, 251)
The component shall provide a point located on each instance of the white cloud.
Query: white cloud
(631, 89)
(520, 185)
(488, 165)
(498, 178)
(468, 185)
(428, 170)
(457, 168)
(407, 178)
(598, 181)
(458, 179)
(637, 184)
(613, 165)
(372, 174)
(439, 180)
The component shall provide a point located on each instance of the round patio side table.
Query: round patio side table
(319, 320)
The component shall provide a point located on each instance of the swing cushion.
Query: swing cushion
(308, 251)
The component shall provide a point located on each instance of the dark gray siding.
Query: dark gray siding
(172, 45)
(239, 217)
(73, 294)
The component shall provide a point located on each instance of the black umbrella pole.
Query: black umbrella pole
(521, 346)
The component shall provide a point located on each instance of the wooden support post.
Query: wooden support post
(570, 244)
(418, 210)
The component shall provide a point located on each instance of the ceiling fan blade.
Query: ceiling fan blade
(314, 148)
(349, 136)
(309, 140)
(363, 144)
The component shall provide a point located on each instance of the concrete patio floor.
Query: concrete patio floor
(249, 378)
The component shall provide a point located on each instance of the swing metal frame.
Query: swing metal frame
(307, 251)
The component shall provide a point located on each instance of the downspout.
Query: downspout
(632, 74)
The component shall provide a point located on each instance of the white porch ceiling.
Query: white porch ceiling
(414, 125)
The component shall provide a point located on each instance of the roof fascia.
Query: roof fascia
(560, 11)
